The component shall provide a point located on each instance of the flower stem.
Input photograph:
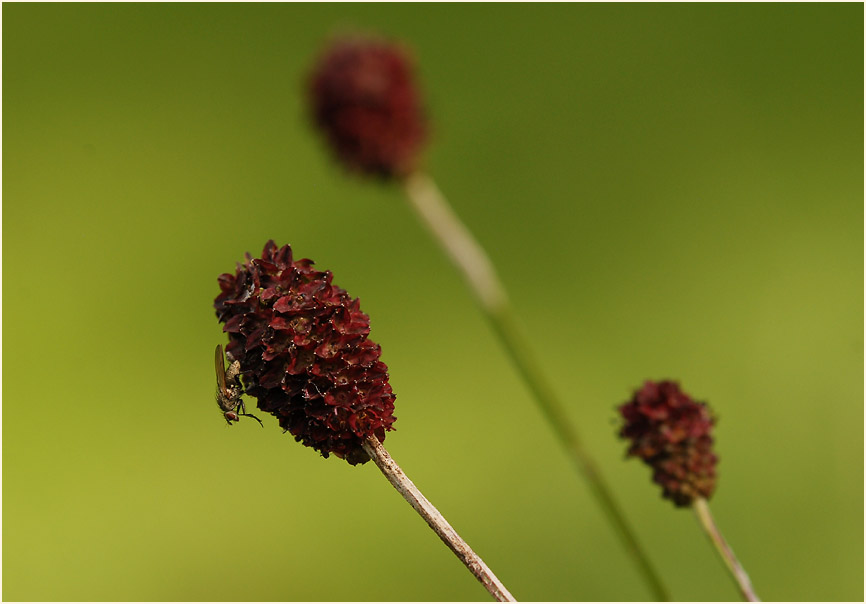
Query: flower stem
(702, 510)
(437, 522)
(478, 271)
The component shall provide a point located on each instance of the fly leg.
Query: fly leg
(243, 411)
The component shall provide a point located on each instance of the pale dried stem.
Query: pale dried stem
(456, 240)
(478, 271)
(702, 510)
(435, 520)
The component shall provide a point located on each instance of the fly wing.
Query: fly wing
(221, 371)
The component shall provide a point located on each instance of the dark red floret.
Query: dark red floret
(364, 99)
(304, 353)
(671, 433)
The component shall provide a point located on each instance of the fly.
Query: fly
(228, 395)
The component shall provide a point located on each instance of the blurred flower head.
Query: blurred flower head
(304, 353)
(671, 433)
(363, 98)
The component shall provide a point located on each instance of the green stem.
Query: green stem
(702, 510)
(478, 271)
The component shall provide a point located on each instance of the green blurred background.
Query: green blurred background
(667, 190)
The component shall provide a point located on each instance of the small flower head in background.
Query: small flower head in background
(304, 353)
(363, 98)
(671, 433)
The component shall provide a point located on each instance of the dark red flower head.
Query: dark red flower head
(671, 433)
(364, 99)
(304, 353)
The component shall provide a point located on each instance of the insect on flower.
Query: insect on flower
(228, 395)
(303, 347)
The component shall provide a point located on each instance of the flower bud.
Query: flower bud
(304, 353)
(364, 100)
(671, 433)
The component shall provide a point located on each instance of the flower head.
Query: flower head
(671, 433)
(364, 99)
(304, 353)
